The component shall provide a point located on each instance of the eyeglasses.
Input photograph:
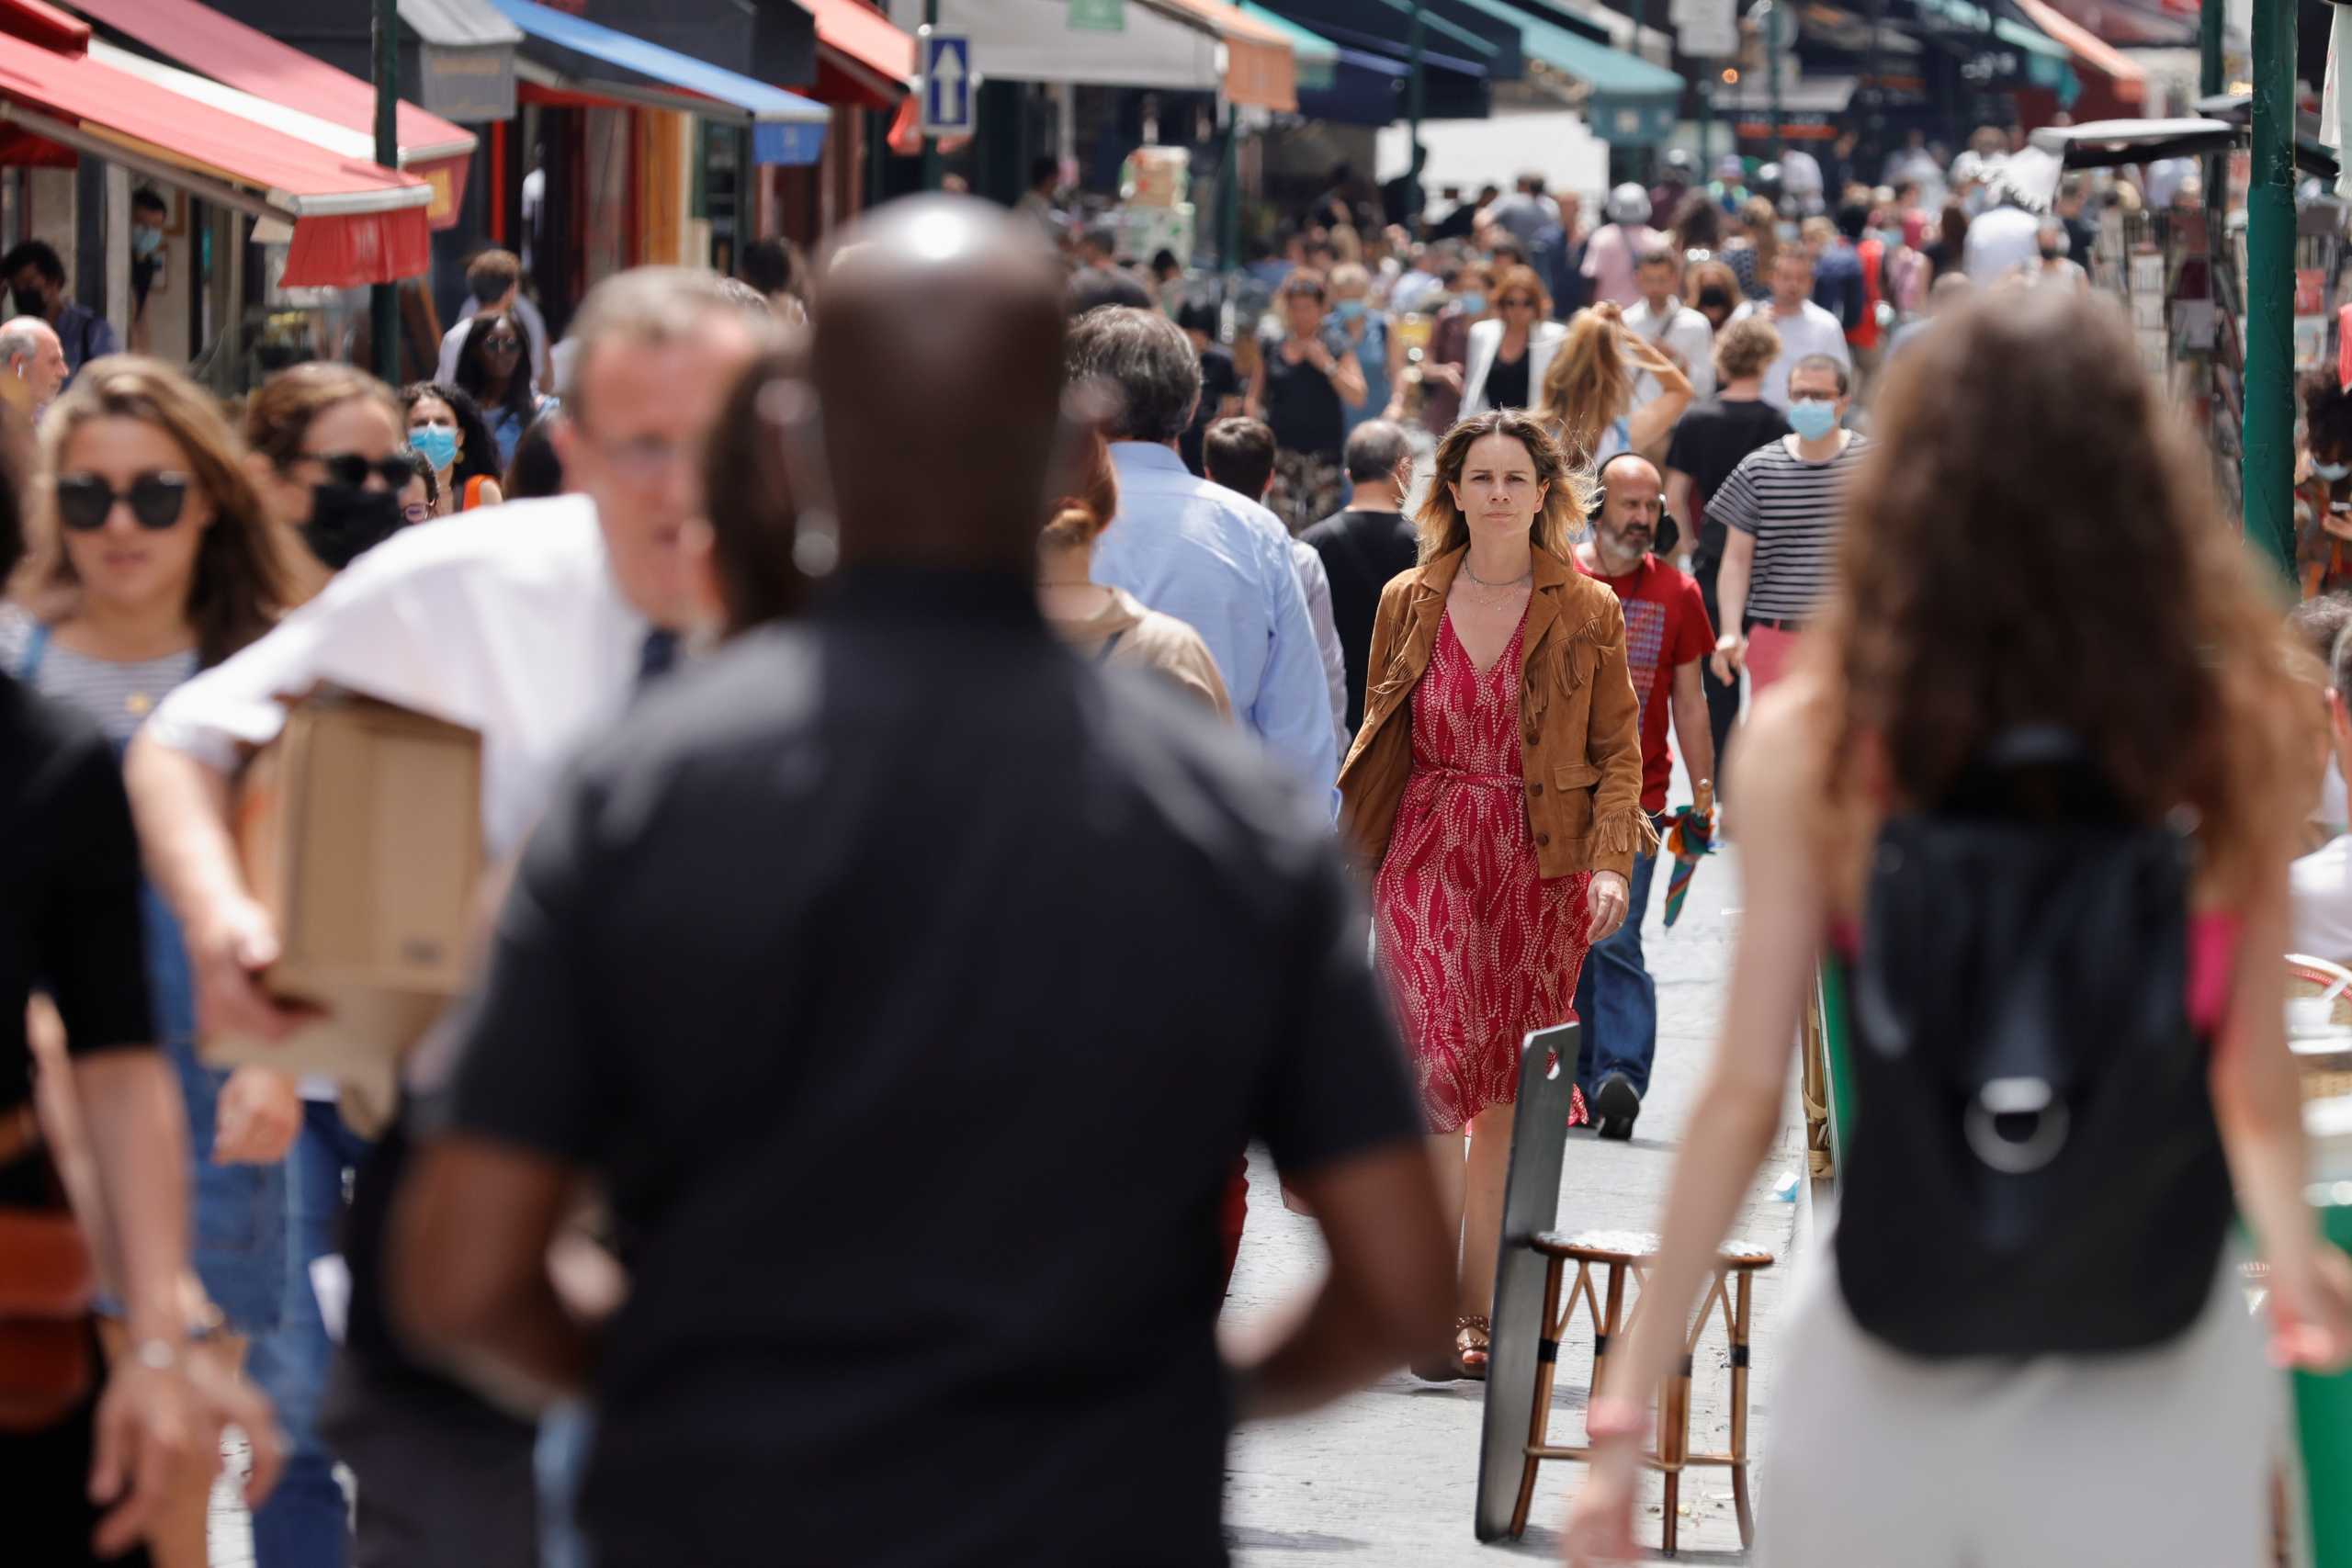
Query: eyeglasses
(1519, 303)
(85, 502)
(353, 471)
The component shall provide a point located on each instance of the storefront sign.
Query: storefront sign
(1098, 16)
(1707, 30)
(468, 86)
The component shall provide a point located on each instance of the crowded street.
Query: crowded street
(939, 782)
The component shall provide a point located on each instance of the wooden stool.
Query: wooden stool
(1617, 1254)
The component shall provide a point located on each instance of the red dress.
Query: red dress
(1479, 948)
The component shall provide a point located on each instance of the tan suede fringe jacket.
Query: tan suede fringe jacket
(1580, 746)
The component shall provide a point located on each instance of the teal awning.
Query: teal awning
(1318, 58)
(1609, 72)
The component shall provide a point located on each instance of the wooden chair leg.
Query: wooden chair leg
(1547, 1359)
(1611, 1322)
(1739, 1412)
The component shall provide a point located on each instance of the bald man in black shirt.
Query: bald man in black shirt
(908, 984)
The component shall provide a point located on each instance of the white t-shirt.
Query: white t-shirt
(2000, 239)
(1811, 331)
(2320, 889)
(1683, 332)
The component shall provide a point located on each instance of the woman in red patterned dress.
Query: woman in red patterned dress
(1495, 786)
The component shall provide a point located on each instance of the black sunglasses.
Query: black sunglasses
(85, 502)
(503, 344)
(352, 470)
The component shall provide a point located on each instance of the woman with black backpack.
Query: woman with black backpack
(2031, 792)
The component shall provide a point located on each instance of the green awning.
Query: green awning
(1969, 17)
(1611, 73)
(1317, 56)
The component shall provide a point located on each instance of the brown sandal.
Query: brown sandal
(1472, 1337)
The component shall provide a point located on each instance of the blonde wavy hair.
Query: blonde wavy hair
(1568, 493)
(1588, 385)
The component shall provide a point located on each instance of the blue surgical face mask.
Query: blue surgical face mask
(144, 241)
(1812, 419)
(2332, 472)
(437, 442)
(1348, 309)
(1474, 302)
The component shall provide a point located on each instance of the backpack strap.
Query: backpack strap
(1110, 645)
(35, 647)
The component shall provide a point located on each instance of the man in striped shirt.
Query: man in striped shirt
(1781, 510)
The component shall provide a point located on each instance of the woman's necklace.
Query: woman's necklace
(1497, 587)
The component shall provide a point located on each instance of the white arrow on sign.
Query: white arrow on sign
(948, 87)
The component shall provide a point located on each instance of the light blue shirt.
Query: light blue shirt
(1222, 565)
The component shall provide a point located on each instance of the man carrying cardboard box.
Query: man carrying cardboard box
(532, 627)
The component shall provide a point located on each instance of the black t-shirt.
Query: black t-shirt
(1711, 438)
(69, 899)
(1361, 551)
(911, 986)
(1219, 380)
(1506, 383)
(1303, 407)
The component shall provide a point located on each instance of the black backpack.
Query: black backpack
(2035, 1167)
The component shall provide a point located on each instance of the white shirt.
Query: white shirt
(2320, 889)
(506, 621)
(1811, 331)
(1316, 583)
(454, 340)
(2000, 239)
(1683, 332)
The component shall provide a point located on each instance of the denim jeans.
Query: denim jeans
(305, 1523)
(1616, 998)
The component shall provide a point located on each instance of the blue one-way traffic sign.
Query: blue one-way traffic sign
(946, 85)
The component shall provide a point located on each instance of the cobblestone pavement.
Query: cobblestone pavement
(1388, 1476)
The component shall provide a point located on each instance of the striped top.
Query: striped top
(119, 697)
(1792, 509)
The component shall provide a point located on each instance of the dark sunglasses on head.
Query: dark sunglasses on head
(85, 502)
(353, 471)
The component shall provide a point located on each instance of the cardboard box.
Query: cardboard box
(360, 830)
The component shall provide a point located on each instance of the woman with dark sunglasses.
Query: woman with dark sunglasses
(494, 370)
(326, 442)
(152, 557)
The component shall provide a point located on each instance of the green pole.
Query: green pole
(1648, 151)
(1772, 69)
(384, 299)
(1415, 86)
(1228, 200)
(931, 144)
(2269, 473)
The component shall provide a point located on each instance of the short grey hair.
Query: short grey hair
(1375, 447)
(1147, 359)
(20, 339)
(653, 306)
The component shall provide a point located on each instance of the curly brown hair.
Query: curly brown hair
(2033, 539)
(1567, 497)
(240, 586)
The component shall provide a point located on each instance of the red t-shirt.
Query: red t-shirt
(1666, 627)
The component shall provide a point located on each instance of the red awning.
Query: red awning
(228, 51)
(861, 57)
(351, 223)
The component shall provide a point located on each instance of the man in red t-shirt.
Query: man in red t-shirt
(1667, 637)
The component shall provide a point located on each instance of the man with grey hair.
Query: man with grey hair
(35, 359)
(535, 631)
(1197, 551)
(1367, 545)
